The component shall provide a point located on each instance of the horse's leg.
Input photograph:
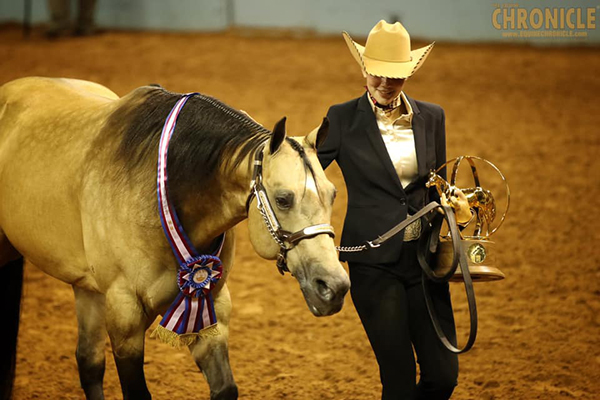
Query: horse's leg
(211, 353)
(11, 282)
(126, 323)
(90, 343)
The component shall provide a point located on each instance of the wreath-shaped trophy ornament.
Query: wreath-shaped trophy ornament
(477, 245)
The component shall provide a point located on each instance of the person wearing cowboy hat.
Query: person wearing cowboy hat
(385, 144)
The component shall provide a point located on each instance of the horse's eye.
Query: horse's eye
(284, 200)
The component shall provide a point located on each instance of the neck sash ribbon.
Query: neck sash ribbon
(193, 310)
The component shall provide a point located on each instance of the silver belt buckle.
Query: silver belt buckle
(412, 231)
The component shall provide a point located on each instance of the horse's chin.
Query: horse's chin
(323, 310)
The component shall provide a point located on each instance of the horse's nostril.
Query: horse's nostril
(324, 291)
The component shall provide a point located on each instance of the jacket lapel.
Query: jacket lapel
(420, 135)
(369, 123)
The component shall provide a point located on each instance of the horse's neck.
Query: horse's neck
(211, 213)
(441, 184)
(217, 208)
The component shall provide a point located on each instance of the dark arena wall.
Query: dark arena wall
(533, 111)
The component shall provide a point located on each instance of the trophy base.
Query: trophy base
(479, 274)
(481, 257)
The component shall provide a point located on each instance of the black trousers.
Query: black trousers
(390, 303)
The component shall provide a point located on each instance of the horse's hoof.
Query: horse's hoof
(228, 393)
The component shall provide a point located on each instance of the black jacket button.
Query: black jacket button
(403, 201)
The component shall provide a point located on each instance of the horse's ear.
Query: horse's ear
(323, 131)
(317, 137)
(278, 136)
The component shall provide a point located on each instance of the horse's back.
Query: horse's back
(52, 120)
(46, 90)
(32, 86)
(28, 101)
(91, 88)
(47, 132)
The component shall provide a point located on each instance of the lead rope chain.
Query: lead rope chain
(351, 249)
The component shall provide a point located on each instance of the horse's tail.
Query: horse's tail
(11, 283)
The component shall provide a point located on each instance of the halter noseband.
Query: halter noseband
(285, 239)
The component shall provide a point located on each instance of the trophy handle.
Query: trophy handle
(479, 224)
(473, 170)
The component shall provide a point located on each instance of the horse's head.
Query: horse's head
(300, 198)
(438, 182)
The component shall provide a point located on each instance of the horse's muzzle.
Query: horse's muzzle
(324, 293)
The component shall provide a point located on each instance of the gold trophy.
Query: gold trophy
(476, 233)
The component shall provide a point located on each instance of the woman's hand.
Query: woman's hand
(458, 201)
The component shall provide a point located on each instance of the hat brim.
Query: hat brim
(388, 69)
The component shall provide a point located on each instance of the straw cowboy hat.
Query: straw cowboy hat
(387, 52)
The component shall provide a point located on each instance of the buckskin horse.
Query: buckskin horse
(78, 200)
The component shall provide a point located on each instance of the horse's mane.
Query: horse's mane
(209, 134)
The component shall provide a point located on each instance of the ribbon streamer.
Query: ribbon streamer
(192, 312)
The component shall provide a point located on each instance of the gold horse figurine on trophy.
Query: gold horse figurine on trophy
(481, 201)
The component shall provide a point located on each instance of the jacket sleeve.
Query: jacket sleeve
(440, 153)
(329, 150)
(440, 145)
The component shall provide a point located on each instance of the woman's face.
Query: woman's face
(384, 90)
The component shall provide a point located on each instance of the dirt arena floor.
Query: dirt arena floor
(534, 111)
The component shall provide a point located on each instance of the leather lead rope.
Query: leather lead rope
(426, 247)
(373, 244)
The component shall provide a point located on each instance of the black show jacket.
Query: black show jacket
(377, 201)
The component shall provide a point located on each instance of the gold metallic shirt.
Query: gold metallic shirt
(397, 133)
